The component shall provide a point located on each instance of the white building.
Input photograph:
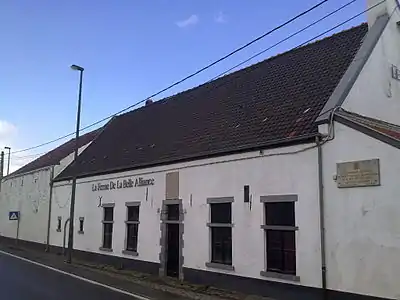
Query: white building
(27, 191)
(280, 179)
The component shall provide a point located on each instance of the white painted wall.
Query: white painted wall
(375, 93)
(266, 175)
(362, 224)
(29, 193)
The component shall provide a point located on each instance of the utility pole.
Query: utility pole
(73, 191)
(1, 167)
(9, 159)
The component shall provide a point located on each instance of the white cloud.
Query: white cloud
(8, 138)
(192, 20)
(220, 18)
(7, 130)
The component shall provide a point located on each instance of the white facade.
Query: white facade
(362, 223)
(375, 93)
(266, 174)
(29, 194)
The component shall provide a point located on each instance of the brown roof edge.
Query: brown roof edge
(102, 129)
(28, 168)
(269, 145)
(12, 175)
(368, 131)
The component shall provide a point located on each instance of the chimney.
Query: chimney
(148, 102)
(386, 7)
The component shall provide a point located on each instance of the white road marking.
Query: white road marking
(78, 277)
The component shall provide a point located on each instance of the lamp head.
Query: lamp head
(77, 68)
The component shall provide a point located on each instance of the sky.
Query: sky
(130, 49)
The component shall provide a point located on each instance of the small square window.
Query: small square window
(279, 213)
(221, 213)
(108, 213)
(173, 212)
(133, 213)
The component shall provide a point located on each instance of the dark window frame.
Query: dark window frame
(81, 225)
(223, 229)
(107, 224)
(173, 212)
(286, 231)
(132, 223)
(59, 219)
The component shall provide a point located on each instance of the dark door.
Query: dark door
(173, 250)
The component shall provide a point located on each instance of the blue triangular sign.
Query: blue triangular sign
(13, 216)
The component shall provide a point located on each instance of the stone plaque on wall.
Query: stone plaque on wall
(358, 173)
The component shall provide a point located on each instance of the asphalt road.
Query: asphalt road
(21, 280)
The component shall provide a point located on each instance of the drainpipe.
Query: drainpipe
(49, 216)
(321, 216)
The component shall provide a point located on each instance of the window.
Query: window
(173, 212)
(132, 227)
(59, 224)
(221, 233)
(280, 237)
(108, 222)
(81, 220)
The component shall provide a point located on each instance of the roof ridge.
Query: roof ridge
(254, 65)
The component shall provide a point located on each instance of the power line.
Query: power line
(185, 78)
(340, 24)
(308, 41)
(301, 30)
(284, 40)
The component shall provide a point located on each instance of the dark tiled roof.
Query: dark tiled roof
(274, 100)
(54, 156)
(384, 131)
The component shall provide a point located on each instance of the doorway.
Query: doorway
(171, 242)
(173, 250)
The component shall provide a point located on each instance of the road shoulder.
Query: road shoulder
(143, 285)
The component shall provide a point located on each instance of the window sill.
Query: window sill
(280, 276)
(219, 224)
(106, 249)
(81, 232)
(131, 253)
(220, 266)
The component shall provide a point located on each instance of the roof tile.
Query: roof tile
(275, 99)
(54, 156)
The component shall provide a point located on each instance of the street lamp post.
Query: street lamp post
(73, 191)
(9, 158)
